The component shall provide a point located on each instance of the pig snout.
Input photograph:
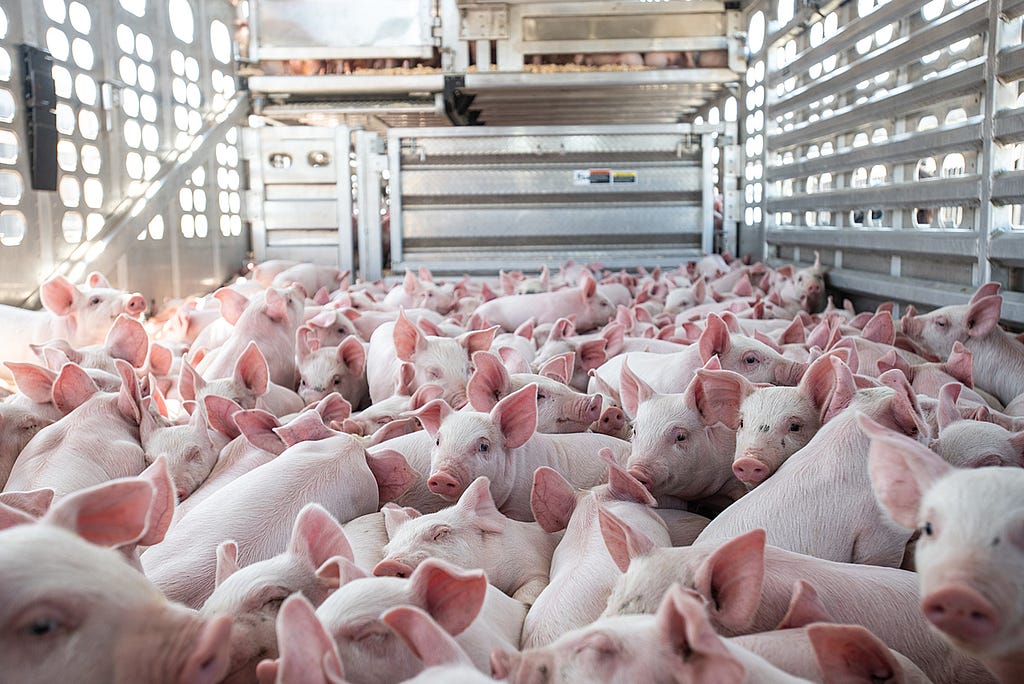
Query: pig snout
(392, 568)
(181, 494)
(445, 485)
(750, 470)
(592, 409)
(612, 420)
(961, 612)
(910, 325)
(135, 305)
(642, 475)
(209, 662)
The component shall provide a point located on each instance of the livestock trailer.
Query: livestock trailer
(168, 143)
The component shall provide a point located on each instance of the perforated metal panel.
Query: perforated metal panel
(887, 136)
(149, 179)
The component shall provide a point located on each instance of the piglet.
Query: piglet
(971, 550)
(472, 534)
(308, 653)
(590, 307)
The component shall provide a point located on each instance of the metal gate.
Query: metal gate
(890, 137)
(480, 199)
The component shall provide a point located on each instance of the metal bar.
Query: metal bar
(905, 98)
(1008, 187)
(846, 38)
(986, 160)
(342, 147)
(256, 195)
(960, 244)
(1009, 125)
(347, 84)
(907, 147)
(1007, 248)
(958, 190)
(969, 21)
(707, 213)
(395, 191)
(1011, 64)
(348, 52)
(591, 79)
(571, 47)
(927, 292)
(1013, 9)
(553, 131)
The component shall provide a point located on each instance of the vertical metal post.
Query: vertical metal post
(707, 209)
(395, 169)
(256, 194)
(343, 172)
(370, 162)
(987, 165)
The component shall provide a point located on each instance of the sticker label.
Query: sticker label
(602, 176)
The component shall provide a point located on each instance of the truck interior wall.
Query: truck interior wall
(888, 137)
(149, 176)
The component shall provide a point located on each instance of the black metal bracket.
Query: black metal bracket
(457, 103)
(40, 117)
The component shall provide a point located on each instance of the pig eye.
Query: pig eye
(941, 322)
(43, 626)
(541, 397)
(440, 533)
(750, 360)
(437, 442)
(337, 379)
(302, 383)
(484, 447)
(794, 427)
(928, 529)
(680, 437)
(94, 301)
(741, 422)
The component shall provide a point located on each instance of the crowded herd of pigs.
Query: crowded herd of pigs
(708, 474)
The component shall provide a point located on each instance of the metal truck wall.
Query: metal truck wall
(888, 136)
(480, 199)
(148, 167)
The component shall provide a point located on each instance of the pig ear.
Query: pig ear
(72, 388)
(432, 415)
(409, 283)
(588, 285)
(843, 390)
(252, 371)
(960, 364)
(160, 359)
(714, 340)
(632, 389)
(731, 578)
(33, 381)
(161, 510)
(718, 395)
(395, 516)
(948, 413)
(333, 408)
(392, 429)
(220, 412)
(317, 537)
(891, 360)
(127, 340)
(408, 339)
(59, 295)
(526, 329)
(305, 343)
(257, 426)
(794, 333)
(477, 340)
(983, 315)
(110, 514)
(424, 637)
(559, 367)
(683, 624)
(986, 290)
(614, 336)
(488, 383)
(429, 327)
(352, 353)
(477, 500)
(624, 543)
(622, 486)
(34, 502)
(96, 279)
(552, 499)
(232, 304)
(767, 341)
(905, 410)
(189, 382)
(451, 596)
(308, 653)
(276, 305)
(11, 516)
(849, 653)
(393, 473)
(804, 608)
(227, 561)
(880, 328)
(516, 416)
(307, 427)
(901, 471)
(592, 353)
(700, 290)
(425, 394)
